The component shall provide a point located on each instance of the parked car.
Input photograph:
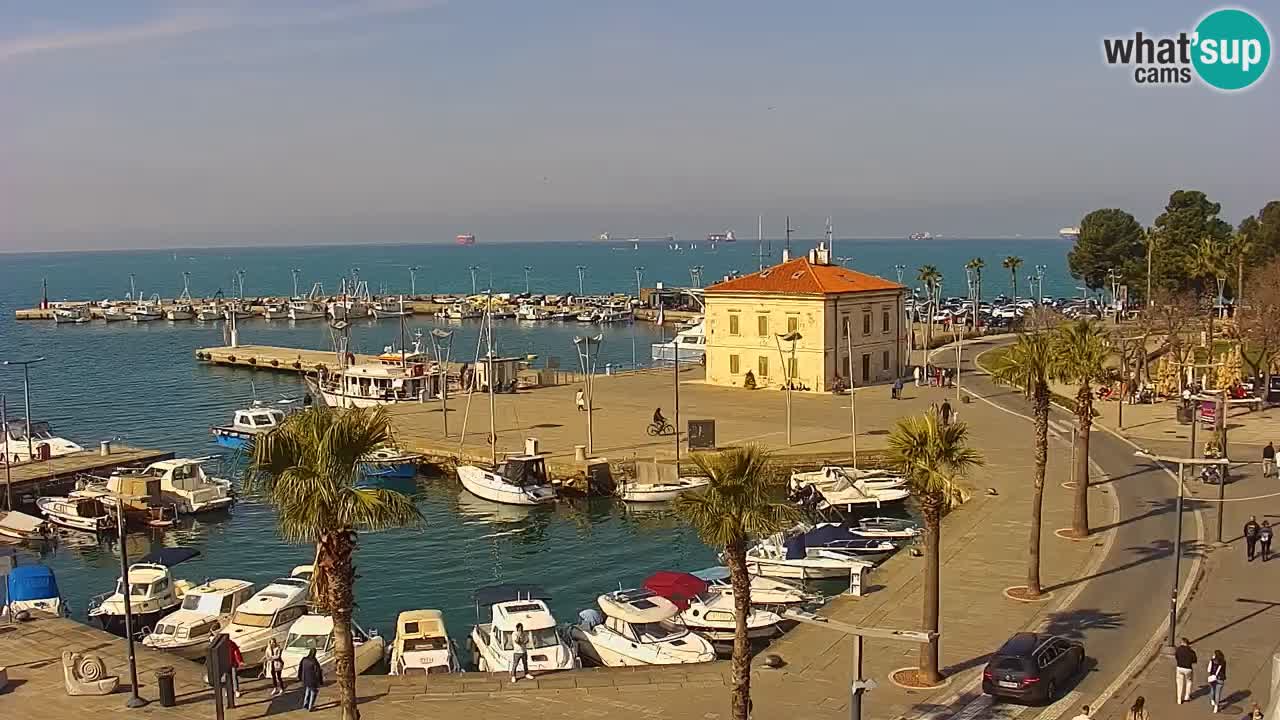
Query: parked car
(1033, 667)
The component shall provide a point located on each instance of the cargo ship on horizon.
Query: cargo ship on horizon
(465, 239)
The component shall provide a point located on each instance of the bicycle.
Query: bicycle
(655, 429)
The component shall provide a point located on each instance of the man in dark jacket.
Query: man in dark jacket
(1184, 660)
(1251, 537)
(311, 676)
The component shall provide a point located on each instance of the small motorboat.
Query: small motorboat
(71, 315)
(87, 514)
(23, 527)
(153, 593)
(765, 592)
(181, 311)
(206, 609)
(147, 310)
(315, 632)
(113, 313)
(887, 527)
(518, 480)
(246, 425)
(847, 493)
(525, 605)
(638, 627)
(835, 477)
(269, 614)
(707, 612)
(209, 313)
(422, 646)
(390, 462)
(43, 443)
(660, 491)
(181, 483)
(781, 556)
(840, 538)
(33, 588)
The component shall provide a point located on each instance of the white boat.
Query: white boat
(525, 605)
(660, 491)
(888, 527)
(391, 309)
(315, 632)
(113, 313)
(587, 316)
(461, 311)
(236, 308)
(181, 311)
(246, 425)
(562, 315)
(183, 483)
(71, 315)
(707, 612)
(209, 312)
(518, 480)
(32, 588)
(275, 310)
(765, 592)
(836, 488)
(20, 526)
(269, 613)
(830, 477)
(691, 345)
(78, 513)
(422, 646)
(372, 384)
(153, 593)
(614, 315)
(347, 309)
(146, 310)
(638, 628)
(205, 611)
(1069, 233)
(305, 310)
(532, 313)
(43, 443)
(782, 557)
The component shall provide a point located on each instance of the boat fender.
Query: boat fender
(275, 363)
(231, 358)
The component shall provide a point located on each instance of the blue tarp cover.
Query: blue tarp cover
(32, 582)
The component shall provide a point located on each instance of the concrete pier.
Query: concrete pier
(56, 475)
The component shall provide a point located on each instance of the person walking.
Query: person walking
(1251, 529)
(275, 664)
(311, 676)
(1137, 711)
(1216, 676)
(581, 399)
(897, 388)
(945, 412)
(1084, 714)
(1184, 660)
(1264, 539)
(236, 662)
(1269, 459)
(916, 373)
(520, 652)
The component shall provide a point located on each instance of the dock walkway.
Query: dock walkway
(56, 474)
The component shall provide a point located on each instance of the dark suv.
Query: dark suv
(1032, 667)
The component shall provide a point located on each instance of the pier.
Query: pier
(56, 475)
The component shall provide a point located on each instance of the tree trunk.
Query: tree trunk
(1040, 403)
(931, 508)
(928, 331)
(736, 558)
(1084, 425)
(1013, 275)
(341, 546)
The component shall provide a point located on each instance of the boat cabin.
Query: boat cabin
(524, 470)
(512, 605)
(258, 419)
(205, 609)
(378, 381)
(421, 644)
(640, 616)
(44, 444)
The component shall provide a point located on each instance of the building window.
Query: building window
(846, 327)
(866, 367)
(791, 368)
(884, 359)
(733, 364)
(884, 320)
(792, 324)
(762, 325)
(866, 323)
(762, 366)
(733, 324)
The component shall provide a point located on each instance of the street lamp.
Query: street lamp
(413, 280)
(853, 413)
(527, 270)
(135, 700)
(582, 274)
(1040, 270)
(4, 428)
(473, 269)
(294, 272)
(790, 337)
(899, 269)
(639, 275)
(26, 392)
(240, 282)
(583, 346)
(443, 338)
(695, 274)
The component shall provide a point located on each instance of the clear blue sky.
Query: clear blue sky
(139, 123)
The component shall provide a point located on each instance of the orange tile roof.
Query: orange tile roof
(801, 277)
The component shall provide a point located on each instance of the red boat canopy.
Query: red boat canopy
(678, 587)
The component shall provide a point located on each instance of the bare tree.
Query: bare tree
(1170, 315)
(1259, 320)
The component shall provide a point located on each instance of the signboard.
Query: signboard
(702, 434)
(1208, 412)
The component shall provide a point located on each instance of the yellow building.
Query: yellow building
(798, 321)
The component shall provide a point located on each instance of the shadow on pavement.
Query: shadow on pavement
(1155, 550)
(1264, 606)
(1074, 624)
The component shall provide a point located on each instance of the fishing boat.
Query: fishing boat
(709, 613)
(614, 315)
(765, 592)
(275, 310)
(146, 311)
(305, 310)
(181, 311)
(33, 588)
(589, 315)
(86, 514)
(372, 384)
(422, 646)
(414, 356)
(209, 312)
(638, 627)
(246, 425)
(41, 443)
(391, 462)
(76, 315)
(660, 491)
(206, 609)
(315, 632)
(689, 345)
(114, 313)
(461, 311)
(236, 308)
(182, 483)
(153, 592)
(269, 613)
(22, 527)
(532, 313)
(518, 480)
(507, 606)
(138, 494)
(385, 309)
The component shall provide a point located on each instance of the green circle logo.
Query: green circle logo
(1232, 49)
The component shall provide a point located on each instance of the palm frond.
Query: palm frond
(1079, 353)
(1027, 364)
(739, 503)
(934, 457)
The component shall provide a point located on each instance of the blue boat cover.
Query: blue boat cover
(169, 557)
(719, 572)
(796, 549)
(495, 594)
(32, 582)
(827, 534)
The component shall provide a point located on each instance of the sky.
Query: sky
(153, 123)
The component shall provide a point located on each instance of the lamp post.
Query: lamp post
(527, 270)
(1177, 545)
(583, 345)
(675, 364)
(1040, 270)
(135, 701)
(474, 269)
(443, 338)
(413, 280)
(294, 272)
(26, 400)
(695, 274)
(899, 269)
(240, 282)
(853, 413)
(639, 275)
(790, 337)
(8, 478)
(582, 274)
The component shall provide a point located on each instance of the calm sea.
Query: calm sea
(140, 383)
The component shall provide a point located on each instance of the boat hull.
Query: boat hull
(658, 492)
(794, 571)
(666, 352)
(232, 439)
(143, 622)
(399, 470)
(488, 486)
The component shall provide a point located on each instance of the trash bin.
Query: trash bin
(1184, 414)
(164, 681)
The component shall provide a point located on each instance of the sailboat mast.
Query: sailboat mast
(493, 426)
(760, 241)
(404, 360)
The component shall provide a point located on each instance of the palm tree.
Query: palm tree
(932, 279)
(934, 458)
(1028, 365)
(309, 468)
(1079, 356)
(1012, 263)
(975, 266)
(735, 508)
(1239, 249)
(1208, 262)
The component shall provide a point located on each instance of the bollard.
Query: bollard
(104, 448)
(164, 684)
(580, 453)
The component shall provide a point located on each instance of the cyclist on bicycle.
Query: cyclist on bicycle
(658, 420)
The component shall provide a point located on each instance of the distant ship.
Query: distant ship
(465, 239)
(721, 237)
(921, 236)
(1069, 233)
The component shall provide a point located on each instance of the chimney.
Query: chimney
(820, 255)
(786, 254)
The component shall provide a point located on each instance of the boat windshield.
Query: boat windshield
(428, 643)
(135, 589)
(661, 631)
(319, 643)
(249, 619)
(191, 602)
(543, 638)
